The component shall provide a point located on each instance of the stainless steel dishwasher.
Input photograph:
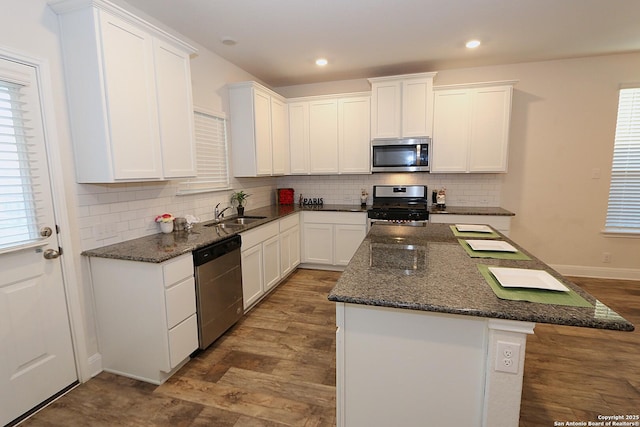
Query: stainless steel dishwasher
(218, 288)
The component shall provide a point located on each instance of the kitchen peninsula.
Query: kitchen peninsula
(419, 330)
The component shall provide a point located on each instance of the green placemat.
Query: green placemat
(493, 254)
(472, 234)
(541, 296)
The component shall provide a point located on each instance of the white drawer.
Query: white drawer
(183, 340)
(177, 269)
(260, 234)
(289, 221)
(355, 218)
(181, 302)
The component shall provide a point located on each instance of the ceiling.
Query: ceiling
(279, 40)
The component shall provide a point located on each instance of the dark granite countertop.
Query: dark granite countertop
(161, 247)
(447, 280)
(470, 210)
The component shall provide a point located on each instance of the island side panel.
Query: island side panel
(407, 367)
(503, 392)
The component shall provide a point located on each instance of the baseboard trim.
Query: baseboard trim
(95, 364)
(598, 272)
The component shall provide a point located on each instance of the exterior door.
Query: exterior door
(36, 353)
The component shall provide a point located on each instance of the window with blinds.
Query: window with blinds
(623, 214)
(211, 154)
(19, 194)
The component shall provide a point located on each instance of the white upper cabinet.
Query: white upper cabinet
(401, 106)
(299, 137)
(175, 107)
(323, 136)
(129, 90)
(329, 134)
(471, 127)
(353, 134)
(259, 131)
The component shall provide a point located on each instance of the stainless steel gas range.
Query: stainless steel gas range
(399, 205)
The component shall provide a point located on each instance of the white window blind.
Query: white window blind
(211, 154)
(623, 214)
(20, 193)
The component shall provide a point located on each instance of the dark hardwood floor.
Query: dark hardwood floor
(575, 374)
(276, 367)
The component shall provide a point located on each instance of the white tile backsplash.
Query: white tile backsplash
(113, 213)
(462, 189)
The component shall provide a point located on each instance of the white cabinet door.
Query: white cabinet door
(386, 109)
(347, 239)
(299, 137)
(129, 93)
(490, 129)
(259, 131)
(129, 81)
(175, 111)
(318, 243)
(294, 250)
(401, 106)
(354, 141)
(289, 250)
(252, 280)
(263, 142)
(285, 249)
(279, 137)
(416, 107)
(271, 262)
(450, 146)
(323, 136)
(471, 128)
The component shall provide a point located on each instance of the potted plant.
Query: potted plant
(238, 198)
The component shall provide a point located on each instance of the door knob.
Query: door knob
(51, 254)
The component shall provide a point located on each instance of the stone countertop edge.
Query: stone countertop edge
(160, 247)
(448, 281)
(470, 210)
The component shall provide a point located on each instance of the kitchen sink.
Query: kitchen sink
(243, 220)
(236, 223)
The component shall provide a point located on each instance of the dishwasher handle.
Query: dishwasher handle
(216, 250)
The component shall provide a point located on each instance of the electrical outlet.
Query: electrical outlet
(606, 257)
(507, 357)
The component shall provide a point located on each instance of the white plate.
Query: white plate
(491, 245)
(525, 278)
(474, 227)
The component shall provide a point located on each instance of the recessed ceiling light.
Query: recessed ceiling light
(472, 44)
(229, 41)
(321, 62)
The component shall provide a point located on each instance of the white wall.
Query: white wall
(562, 129)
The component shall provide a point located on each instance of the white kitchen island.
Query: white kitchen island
(422, 340)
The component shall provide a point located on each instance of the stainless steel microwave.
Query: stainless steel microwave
(400, 155)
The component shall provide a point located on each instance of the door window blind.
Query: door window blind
(20, 194)
(211, 154)
(623, 214)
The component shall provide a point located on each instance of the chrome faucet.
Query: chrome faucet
(218, 214)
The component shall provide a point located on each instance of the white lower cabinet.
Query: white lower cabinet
(502, 223)
(331, 238)
(289, 244)
(260, 261)
(146, 316)
(269, 254)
